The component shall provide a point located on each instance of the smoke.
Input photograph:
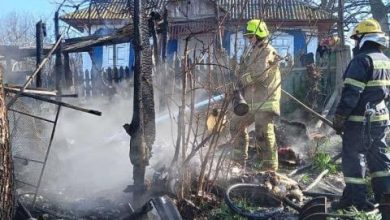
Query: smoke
(86, 159)
(89, 158)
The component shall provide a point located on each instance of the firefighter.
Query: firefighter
(362, 117)
(259, 74)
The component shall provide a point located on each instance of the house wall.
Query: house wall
(293, 41)
(102, 56)
(283, 42)
(172, 48)
(122, 55)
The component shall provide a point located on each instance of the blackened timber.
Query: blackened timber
(36, 91)
(29, 80)
(147, 82)
(39, 49)
(138, 149)
(94, 112)
(58, 64)
(164, 35)
(68, 72)
(86, 44)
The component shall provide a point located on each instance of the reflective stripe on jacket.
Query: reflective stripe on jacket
(366, 80)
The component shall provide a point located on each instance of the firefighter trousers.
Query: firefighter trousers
(356, 153)
(265, 137)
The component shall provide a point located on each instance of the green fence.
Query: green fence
(298, 83)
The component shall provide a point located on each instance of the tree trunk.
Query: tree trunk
(142, 128)
(147, 82)
(379, 12)
(6, 167)
(138, 149)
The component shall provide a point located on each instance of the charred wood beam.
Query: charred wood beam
(15, 89)
(60, 103)
(59, 69)
(164, 32)
(142, 128)
(67, 71)
(138, 150)
(40, 66)
(85, 44)
(39, 49)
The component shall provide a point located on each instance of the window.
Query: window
(283, 44)
(122, 55)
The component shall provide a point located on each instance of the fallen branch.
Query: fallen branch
(309, 166)
(317, 180)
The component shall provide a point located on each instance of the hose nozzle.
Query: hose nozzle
(240, 107)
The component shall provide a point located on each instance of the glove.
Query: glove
(338, 123)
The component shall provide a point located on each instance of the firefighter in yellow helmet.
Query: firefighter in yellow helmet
(362, 118)
(259, 74)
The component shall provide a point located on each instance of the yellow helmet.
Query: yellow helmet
(257, 27)
(368, 26)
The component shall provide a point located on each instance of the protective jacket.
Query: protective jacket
(366, 89)
(261, 77)
(366, 82)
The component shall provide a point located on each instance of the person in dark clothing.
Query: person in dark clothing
(362, 118)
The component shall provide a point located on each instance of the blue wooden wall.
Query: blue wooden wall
(299, 41)
(171, 48)
(97, 56)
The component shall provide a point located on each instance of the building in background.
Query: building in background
(295, 26)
